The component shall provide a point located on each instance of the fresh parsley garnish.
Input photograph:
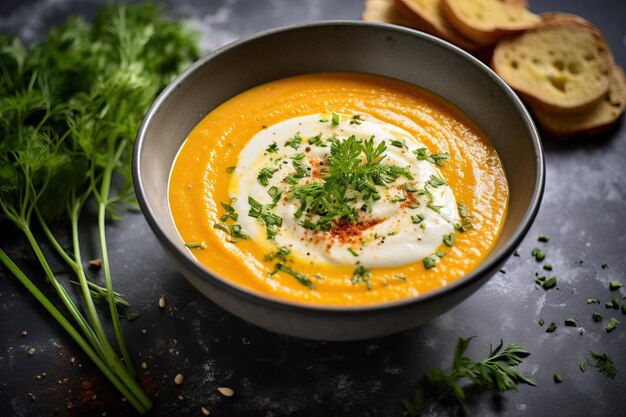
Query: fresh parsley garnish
(264, 176)
(273, 148)
(281, 253)
(362, 274)
(417, 218)
(438, 159)
(193, 245)
(235, 231)
(264, 214)
(301, 278)
(429, 262)
(231, 169)
(449, 238)
(295, 142)
(335, 119)
(604, 364)
(356, 120)
(230, 211)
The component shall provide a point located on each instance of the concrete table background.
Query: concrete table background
(582, 211)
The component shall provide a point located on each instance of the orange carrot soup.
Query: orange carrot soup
(338, 189)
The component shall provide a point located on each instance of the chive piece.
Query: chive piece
(541, 322)
(538, 254)
(543, 238)
(449, 238)
(547, 267)
(132, 316)
(613, 285)
(551, 327)
(557, 379)
(193, 245)
(550, 282)
(301, 278)
(584, 365)
(397, 143)
(353, 252)
(231, 169)
(356, 120)
(400, 277)
(611, 325)
(597, 317)
(335, 119)
(417, 218)
(502, 270)
(516, 253)
(604, 364)
(593, 301)
(571, 322)
(429, 262)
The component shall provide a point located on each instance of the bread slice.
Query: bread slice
(487, 21)
(561, 66)
(431, 20)
(385, 11)
(598, 119)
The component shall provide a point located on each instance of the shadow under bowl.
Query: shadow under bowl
(378, 49)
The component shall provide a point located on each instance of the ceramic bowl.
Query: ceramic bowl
(379, 49)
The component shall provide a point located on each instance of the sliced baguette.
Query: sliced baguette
(561, 66)
(598, 119)
(431, 20)
(385, 11)
(487, 21)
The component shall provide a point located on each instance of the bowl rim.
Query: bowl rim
(249, 294)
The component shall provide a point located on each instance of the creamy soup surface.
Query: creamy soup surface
(338, 189)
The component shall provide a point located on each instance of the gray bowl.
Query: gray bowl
(379, 49)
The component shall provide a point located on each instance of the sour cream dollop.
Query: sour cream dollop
(402, 227)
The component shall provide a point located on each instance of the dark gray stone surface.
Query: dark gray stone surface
(272, 375)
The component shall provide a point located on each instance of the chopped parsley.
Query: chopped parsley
(466, 220)
(316, 140)
(193, 245)
(538, 254)
(294, 142)
(614, 285)
(429, 262)
(611, 325)
(273, 148)
(557, 379)
(549, 283)
(356, 120)
(438, 159)
(417, 218)
(435, 181)
(547, 267)
(230, 211)
(281, 254)
(604, 364)
(353, 252)
(235, 231)
(551, 327)
(301, 278)
(541, 322)
(362, 274)
(264, 214)
(397, 143)
(571, 322)
(597, 317)
(449, 238)
(264, 176)
(335, 119)
(231, 169)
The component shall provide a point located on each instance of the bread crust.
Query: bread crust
(544, 98)
(385, 11)
(435, 24)
(601, 118)
(498, 29)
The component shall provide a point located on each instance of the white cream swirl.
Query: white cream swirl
(392, 234)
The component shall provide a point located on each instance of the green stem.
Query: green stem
(132, 392)
(102, 205)
(67, 301)
(55, 243)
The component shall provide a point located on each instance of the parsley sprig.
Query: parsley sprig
(355, 169)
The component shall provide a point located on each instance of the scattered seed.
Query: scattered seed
(179, 379)
(24, 333)
(144, 331)
(32, 397)
(31, 351)
(144, 365)
(205, 411)
(72, 360)
(162, 302)
(181, 397)
(97, 263)
(226, 392)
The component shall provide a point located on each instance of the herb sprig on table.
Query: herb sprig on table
(498, 371)
(69, 112)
